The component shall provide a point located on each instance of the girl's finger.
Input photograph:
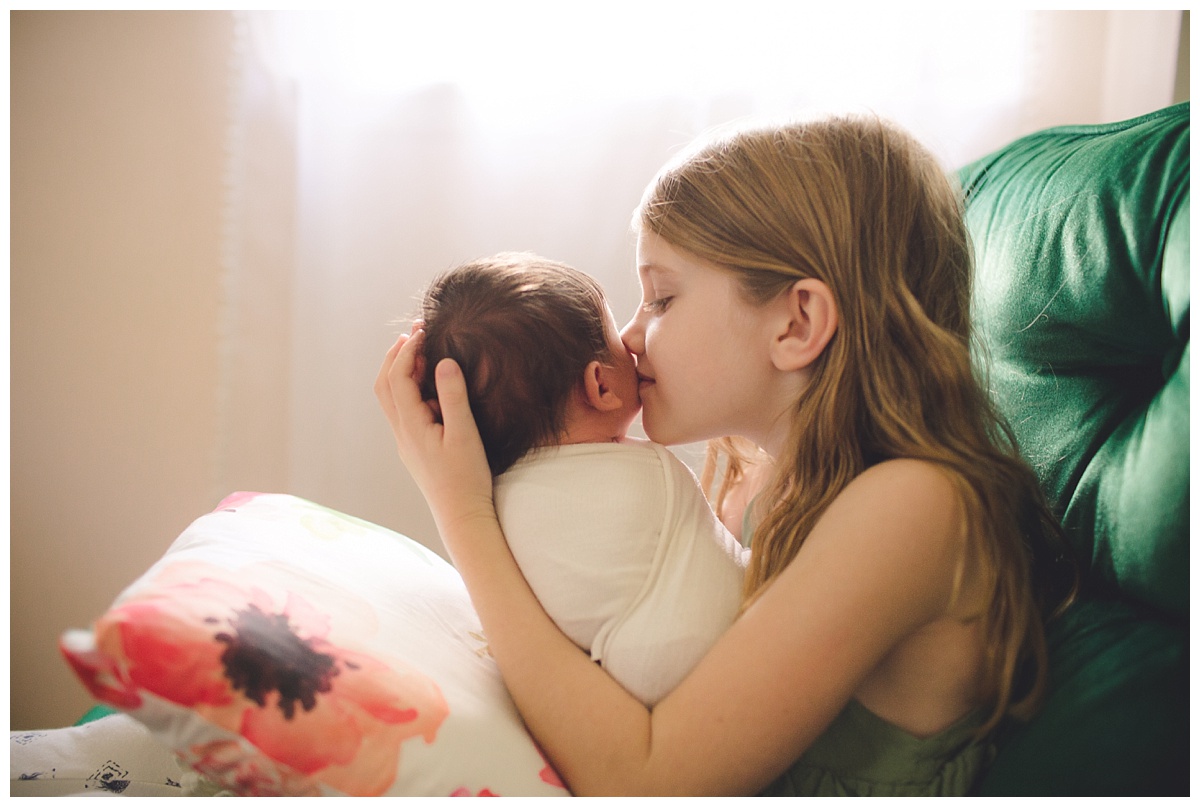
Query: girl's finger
(405, 392)
(383, 387)
(418, 372)
(455, 405)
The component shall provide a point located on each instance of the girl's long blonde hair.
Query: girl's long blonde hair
(860, 205)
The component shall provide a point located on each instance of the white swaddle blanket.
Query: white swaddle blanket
(623, 551)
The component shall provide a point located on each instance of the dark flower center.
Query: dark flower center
(263, 654)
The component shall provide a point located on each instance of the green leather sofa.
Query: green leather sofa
(1081, 237)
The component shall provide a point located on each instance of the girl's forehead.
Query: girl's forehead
(652, 271)
(658, 259)
(666, 264)
(657, 255)
(651, 245)
(657, 277)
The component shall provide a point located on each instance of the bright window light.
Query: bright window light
(587, 52)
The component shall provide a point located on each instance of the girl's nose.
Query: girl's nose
(633, 337)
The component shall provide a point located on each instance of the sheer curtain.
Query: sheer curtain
(369, 151)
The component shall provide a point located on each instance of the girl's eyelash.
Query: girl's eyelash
(659, 305)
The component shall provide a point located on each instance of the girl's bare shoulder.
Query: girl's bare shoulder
(901, 521)
(909, 486)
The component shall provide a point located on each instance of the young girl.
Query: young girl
(806, 290)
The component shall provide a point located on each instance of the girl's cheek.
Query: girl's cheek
(656, 337)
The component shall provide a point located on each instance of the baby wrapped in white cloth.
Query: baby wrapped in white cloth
(624, 553)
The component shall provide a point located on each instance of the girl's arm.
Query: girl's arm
(879, 565)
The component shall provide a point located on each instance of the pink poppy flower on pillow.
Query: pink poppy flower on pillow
(245, 650)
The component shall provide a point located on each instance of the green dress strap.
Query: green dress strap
(861, 754)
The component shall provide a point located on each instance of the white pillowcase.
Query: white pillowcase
(280, 647)
(115, 755)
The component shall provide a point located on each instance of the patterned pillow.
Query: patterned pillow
(114, 755)
(280, 647)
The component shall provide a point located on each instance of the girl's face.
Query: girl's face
(703, 361)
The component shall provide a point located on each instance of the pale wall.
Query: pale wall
(118, 126)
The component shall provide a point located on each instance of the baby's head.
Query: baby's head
(540, 351)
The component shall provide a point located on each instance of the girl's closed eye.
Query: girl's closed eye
(659, 305)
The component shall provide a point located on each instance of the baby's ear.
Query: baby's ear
(597, 390)
(808, 319)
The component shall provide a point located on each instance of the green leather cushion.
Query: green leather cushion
(1116, 723)
(1081, 304)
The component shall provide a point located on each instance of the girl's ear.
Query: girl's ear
(808, 320)
(597, 390)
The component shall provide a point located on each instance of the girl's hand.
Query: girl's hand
(445, 458)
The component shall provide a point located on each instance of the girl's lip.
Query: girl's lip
(644, 379)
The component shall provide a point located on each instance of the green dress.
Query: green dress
(861, 754)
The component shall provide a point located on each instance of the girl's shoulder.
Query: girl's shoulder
(915, 509)
(902, 514)
(929, 481)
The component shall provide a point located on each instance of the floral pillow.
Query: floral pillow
(280, 647)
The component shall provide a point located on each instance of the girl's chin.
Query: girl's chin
(657, 432)
(659, 428)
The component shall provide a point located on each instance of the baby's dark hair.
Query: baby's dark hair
(523, 329)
